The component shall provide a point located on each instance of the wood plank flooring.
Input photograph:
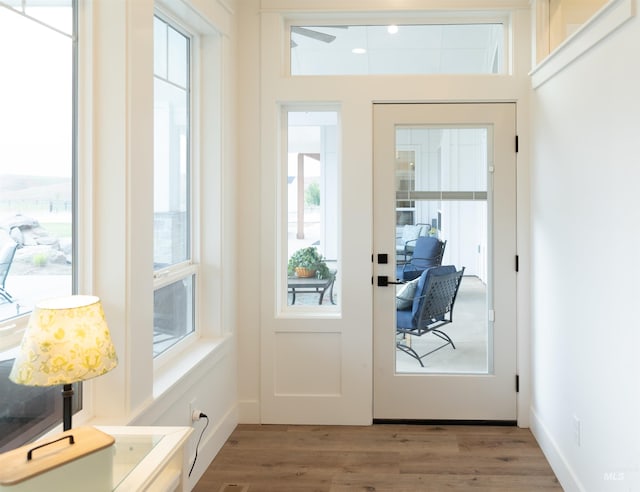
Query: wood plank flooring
(389, 457)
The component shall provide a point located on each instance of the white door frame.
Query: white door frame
(355, 96)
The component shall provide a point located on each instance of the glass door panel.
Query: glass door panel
(312, 210)
(441, 192)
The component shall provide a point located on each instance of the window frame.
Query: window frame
(283, 308)
(165, 276)
(547, 63)
(12, 329)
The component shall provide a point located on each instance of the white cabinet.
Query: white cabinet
(148, 458)
(121, 459)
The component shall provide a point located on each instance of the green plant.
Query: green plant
(312, 194)
(40, 259)
(309, 258)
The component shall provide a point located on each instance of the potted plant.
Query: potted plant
(308, 262)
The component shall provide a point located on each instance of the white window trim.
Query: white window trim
(604, 22)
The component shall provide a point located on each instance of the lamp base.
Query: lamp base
(67, 400)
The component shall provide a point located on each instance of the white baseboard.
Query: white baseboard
(249, 412)
(209, 447)
(565, 474)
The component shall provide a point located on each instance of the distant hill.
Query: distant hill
(19, 187)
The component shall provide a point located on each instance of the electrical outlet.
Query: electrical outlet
(193, 407)
(577, 430)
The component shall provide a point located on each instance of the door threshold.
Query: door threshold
(501, 423)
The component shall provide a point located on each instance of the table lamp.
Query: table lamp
(67, 340)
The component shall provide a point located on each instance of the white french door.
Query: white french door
(448, 171)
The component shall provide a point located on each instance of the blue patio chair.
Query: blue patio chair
(405, 243)
(7, 252)
(428, 252)
(431, 309)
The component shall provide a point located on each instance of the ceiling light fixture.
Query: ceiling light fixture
(392, 29)
(358, 51)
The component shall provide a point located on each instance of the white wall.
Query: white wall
(248, 210)
(116, 176)
(585, 269)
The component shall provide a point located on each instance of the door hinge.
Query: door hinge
(517, 144)
(517, 263)
(517, 383)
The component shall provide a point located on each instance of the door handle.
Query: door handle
(383, 281)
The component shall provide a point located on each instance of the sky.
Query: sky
(35, 94)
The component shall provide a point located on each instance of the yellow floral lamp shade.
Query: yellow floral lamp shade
(67, 340)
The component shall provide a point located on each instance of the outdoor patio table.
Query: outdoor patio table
(311, 285)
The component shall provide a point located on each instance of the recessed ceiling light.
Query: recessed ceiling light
(358, 51)
(392, 29)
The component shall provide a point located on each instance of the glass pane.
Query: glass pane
(171, 167)
(36, 156)
(173, 314)
(567, 16)
(53, 13)
(36, 195)
(178, 48)
(312, 196)
(130, 450)
(441, 198)
(160, 48)
(397, 49)
(26, 412)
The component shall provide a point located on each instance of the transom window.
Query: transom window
(402, 49)
(567, 16)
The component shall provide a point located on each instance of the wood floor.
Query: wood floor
(282, 458)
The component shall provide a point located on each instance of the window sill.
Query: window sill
(603, 23)
(190, 363)
(187, 360)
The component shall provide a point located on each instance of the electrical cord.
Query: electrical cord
(201, 416)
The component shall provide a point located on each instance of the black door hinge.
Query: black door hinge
(517, 383)
(517, 144)
(517, 263)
